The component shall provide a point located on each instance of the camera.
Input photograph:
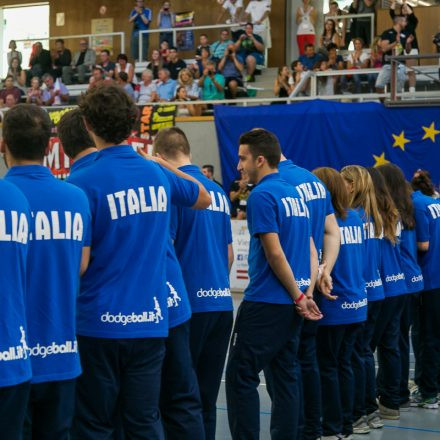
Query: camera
(230, 51)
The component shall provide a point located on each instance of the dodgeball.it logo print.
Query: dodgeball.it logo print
(18, 352)
(23, 342)
(173, 298)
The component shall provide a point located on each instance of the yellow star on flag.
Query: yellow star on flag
(380, 160)
(430, 132)
(400, 141)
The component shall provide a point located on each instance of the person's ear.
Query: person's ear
(3, 146)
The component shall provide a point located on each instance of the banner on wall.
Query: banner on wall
(239, 277)
(151, 120)
(102, 26)
(324, 133)
(184, 39)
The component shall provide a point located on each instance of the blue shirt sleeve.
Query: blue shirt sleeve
(183, 192)
(175, 221)
(261, 213)
(422, 224)
(329, 207)
(147, 13)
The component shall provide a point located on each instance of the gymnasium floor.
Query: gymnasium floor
(416, 424)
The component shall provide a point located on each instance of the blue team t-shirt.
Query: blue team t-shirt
(393, 277)
(427, 215)
(274, 206)
(124, 292)
(83, 162)
(348, 276)
(410, 267)
(138, 23)
(15, 364)
(201, 240)
(59, 230)
(373, 280)
(315, 194)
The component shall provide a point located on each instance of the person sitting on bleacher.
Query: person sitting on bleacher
(122, 81)
(175, 64)
(40, 61)
(310, 57)
(186, 80)
(9, 89)
(156, 63)
(122, 65)
(56, 92)
(147, 89)
(97, 77)
(166, 86)
(250, 49)
(61, 58)
(218, 47)
(231, 68)
(107, 65)
(82, 64)
(204, 44)
(212, 83)
(34, 93)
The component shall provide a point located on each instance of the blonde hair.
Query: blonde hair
(363, 195)
(190, 75)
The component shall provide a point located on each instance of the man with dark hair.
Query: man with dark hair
(58, 253)
(175, 64)
(15, 216)
(55, 93)
(267, 328)
(82, 63)
(9, 89)
(310, 57)
(107, 65)
(61, 58)
(205, 270)
(122, 304)
(76, 141)
(208, 172)
(250, 50)
(40, 61)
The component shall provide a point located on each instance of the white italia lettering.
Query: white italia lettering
(4, 236)
(57, 235)
(13, 227)
(78, 227)
(226, 204)
(350, 235)
(50, 228)
(14, 219)
(134, 201)
(42, 226)
(68, 219)
(295, 207)
(313, 191)
(434, 209)
(219, 203)
(23, 229)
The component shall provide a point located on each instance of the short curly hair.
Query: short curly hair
(109, 112)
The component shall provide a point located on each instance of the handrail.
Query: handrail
(350, 16)
(176, 29)
(89, 36)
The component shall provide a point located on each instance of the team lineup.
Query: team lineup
(129, 333)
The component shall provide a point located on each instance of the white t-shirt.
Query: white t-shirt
(232, 7)
(305, 26)
(257, 9)
(364, 57)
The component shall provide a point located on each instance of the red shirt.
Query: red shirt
(13, 91)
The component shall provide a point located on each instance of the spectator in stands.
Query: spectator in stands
(122, 81)
(97, 77)
(334, 61)
(17, 73)
(61, 58)
(284, 83)
(436, 43)
(82, 64)
(200, 64)
(147, 90)
(310, 57)
(233, 9)
(250, 49)
(186, 80)
(422, 182)
(10, 101)
(257, 12)
(156, 63)
(392, 41)
(56, 92)
(208, 172)
(298, 74)
(231, 68)
(212, 83)
(34, 93)
(329, 35)
(107, 65)
(166, 86)
(122, 65)
(326, 84)
(189, 109)
(306, 20)
(218, 47)
(13, 53)
(362, 26)
(166, 20)
(175, 64)
(140, 16)
(9, 89)
(357, 59)
(164, 51)
(238, 194)
(410, 30)
(40, 61)
(376, 56)
(335, 11)
(204, 44)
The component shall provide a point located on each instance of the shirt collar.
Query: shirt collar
(117, 150)
(83, 160)
(30, 170)
(191, 167)
(271, 176)
(286, 163)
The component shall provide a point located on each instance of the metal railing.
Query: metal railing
(174, 31)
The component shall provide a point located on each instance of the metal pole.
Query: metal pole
(122, 42)
(313, 86)
(393, 80)
(174, 37)
(140, 46)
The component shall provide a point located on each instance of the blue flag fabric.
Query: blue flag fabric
(323, 133)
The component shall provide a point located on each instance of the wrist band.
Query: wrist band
(299, 299)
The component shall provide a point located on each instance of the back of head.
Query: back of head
(336, 187)
(422, 182)
(385, 204)
(398, 188)
(73, 134)
(171, 143)
(26, 132)
(264, 143)
(109, 112)
(363, 194)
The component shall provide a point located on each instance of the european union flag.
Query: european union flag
(323, 133)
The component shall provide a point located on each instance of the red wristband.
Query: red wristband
(299, 299)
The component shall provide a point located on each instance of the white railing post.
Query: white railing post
(140, 35)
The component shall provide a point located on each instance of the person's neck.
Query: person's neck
(84, 153)
(12, 162)
(265, 172)
(101, 144)
(283, 158)
(397, 29)
(180, 161)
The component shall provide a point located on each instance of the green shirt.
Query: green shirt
(210, 91)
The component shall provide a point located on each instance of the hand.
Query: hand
(205, 72)
(308, 309)
(325, 285)
(410, 39)
(147, 156)
(243, 36)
